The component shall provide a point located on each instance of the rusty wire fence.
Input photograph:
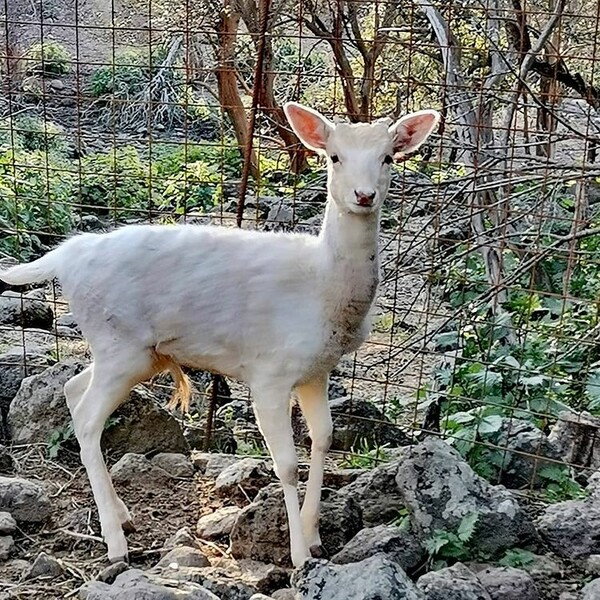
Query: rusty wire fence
(486, 329)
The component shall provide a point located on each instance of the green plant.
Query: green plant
(35, 133)
(517, 558)
(444, 546)
(49, 58)
(364, 456)
(58, 438)
(561, 485)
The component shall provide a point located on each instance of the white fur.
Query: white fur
(274, 310)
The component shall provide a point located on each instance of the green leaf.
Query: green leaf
(467, 526)
(490, 424)
(593, 386)
(533, 380)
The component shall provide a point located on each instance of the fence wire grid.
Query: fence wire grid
(486, 329)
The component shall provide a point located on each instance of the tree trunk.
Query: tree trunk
(229, 96)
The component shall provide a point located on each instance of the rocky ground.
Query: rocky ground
(213, 525)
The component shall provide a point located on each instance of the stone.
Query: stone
(527, 447)
(260, 597)
(45, 566)
(39, 406)
(452, 583)
(218, 524)
(182, 537)
(377, 494)
(7, 546)
(134, 584)
(592, 564)
(68, 321)
(176, 465)
(264, 577)
(15, 366)
(591, 591)
(440, 489)
(237, 410)
(398, 545)
(25, 500)
(136, 469)
(183, 556)
(110, 573)
(341, 477)
(507, 583)
(376, 577)
(7, 523)
(211, 465)
(217, 580)
(245, 478)
(574, 435)
(284, 594)
(28, 310)
(355, 422)
(7, 463)
(142, 426)
(569, 528)
(261, 529)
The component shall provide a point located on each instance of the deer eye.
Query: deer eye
(388, 160)
(335, 158)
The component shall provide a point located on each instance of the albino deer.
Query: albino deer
(274, 310)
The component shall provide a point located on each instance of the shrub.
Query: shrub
(50, 58)
(36, 193)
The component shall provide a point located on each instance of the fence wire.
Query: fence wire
(486, 329)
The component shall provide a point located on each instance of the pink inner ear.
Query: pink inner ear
(308, 126)
(410, 132)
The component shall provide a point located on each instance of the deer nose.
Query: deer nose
(364, 198)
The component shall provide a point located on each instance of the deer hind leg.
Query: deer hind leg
(312, 397)
(108, 383)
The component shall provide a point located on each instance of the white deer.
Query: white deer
(274, 310)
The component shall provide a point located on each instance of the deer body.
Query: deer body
(274, 310)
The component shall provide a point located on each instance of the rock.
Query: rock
(221, 440)
(218, 524)
(377, 494)
(68, 322)
(508, 584)
(376, 577)
(245, 477)
(176, 465)
(110, 573)
(45, 566)
(183, 557)
(261, 529)
(341, 477)
(237, 410)
(261, 597)
(263, 577)
(212, 465)
(592, 564)
(354, 422)
(27, 310)
(7, 546)
(90, 223)
(591, 591)
(7, 463)
(216, 580)
(136, 469)
(25, 500)
(182, 537)
(569, 528)
(398, 545)
(137, 585)
(440, 489)
(142, 426)
(453, 583)
(526, 448)
(40, 406)
(56, 85)
(15, 366)
(7, 523)
(284, 594)
(574, 435)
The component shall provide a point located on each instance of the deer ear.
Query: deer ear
(311, 127)
(412, 130)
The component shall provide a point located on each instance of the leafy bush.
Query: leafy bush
(49, 58)
(36, 192)
(445, 547)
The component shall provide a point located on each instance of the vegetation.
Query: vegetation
(48, 58)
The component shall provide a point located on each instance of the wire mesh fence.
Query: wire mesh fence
(486, 329)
